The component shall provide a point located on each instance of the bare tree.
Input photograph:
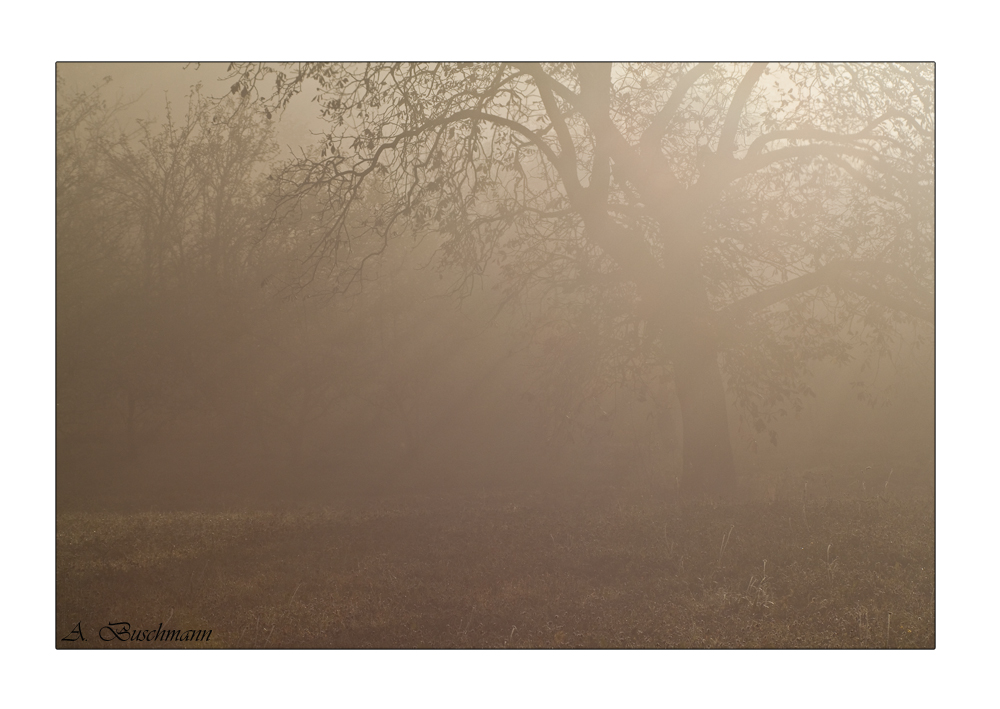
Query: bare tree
(726, 219)
(160, 244)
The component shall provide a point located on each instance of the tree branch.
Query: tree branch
(468, 114)
(651, 137)
(568, 154)
(605, 132)
(818, 134)
(775, 294)
(832, 274)
(595, 90)
(878, 296)
(749, 165)
(536, 72)
(727, 141)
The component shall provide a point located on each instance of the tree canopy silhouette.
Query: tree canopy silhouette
(728, 222)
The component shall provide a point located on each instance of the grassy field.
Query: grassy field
(594, 569)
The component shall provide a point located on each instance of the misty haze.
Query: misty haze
(495, 355)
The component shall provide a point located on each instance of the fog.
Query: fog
(251, 356)
(345, 286)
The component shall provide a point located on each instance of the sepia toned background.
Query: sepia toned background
(235, 379)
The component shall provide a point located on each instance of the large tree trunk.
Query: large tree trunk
(131, 432)
(707, 452)
(708, 466)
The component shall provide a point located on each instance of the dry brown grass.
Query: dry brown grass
(512, 569)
